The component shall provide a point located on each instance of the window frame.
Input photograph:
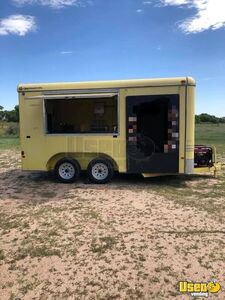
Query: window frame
(85, 95)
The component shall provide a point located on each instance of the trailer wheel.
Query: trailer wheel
(67, 170)
(100, 170)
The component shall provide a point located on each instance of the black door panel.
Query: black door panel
(152, 134)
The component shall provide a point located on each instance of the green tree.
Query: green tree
(206, 118)
(1, 113)
(16, 108)
(197, 119)
(11, 115)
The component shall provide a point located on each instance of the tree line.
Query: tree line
(13, 116)
(9, 115)
(206, 118)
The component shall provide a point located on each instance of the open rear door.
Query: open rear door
(152, 134)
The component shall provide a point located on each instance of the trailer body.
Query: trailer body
(141, 126)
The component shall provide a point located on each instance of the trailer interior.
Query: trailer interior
(82, 115)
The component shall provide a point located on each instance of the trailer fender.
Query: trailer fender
(83, 159)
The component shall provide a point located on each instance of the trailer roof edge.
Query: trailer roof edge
(175, 81)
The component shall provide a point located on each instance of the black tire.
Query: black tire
(67, 170)
(100, 170)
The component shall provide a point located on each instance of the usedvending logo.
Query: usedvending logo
(199, 289)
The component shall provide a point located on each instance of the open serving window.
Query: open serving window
(81, 114)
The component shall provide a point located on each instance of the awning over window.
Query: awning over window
(72, 96)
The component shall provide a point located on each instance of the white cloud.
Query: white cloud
(54, 3)
(147, 2)
(176, 2)
(210, 14)
(139, 11)
(17, 24)
(66, 52)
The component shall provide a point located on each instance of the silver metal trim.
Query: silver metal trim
(82, 134)
(80, 91)
(71, 96)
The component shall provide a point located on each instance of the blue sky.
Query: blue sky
(71, 40)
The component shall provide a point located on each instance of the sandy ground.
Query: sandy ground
(134, 238)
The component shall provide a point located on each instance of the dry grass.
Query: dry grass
(134, 238)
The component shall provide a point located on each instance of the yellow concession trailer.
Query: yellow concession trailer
(130, 126)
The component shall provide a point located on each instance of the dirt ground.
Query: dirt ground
(134, 238)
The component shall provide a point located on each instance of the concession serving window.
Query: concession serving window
(81, 114)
